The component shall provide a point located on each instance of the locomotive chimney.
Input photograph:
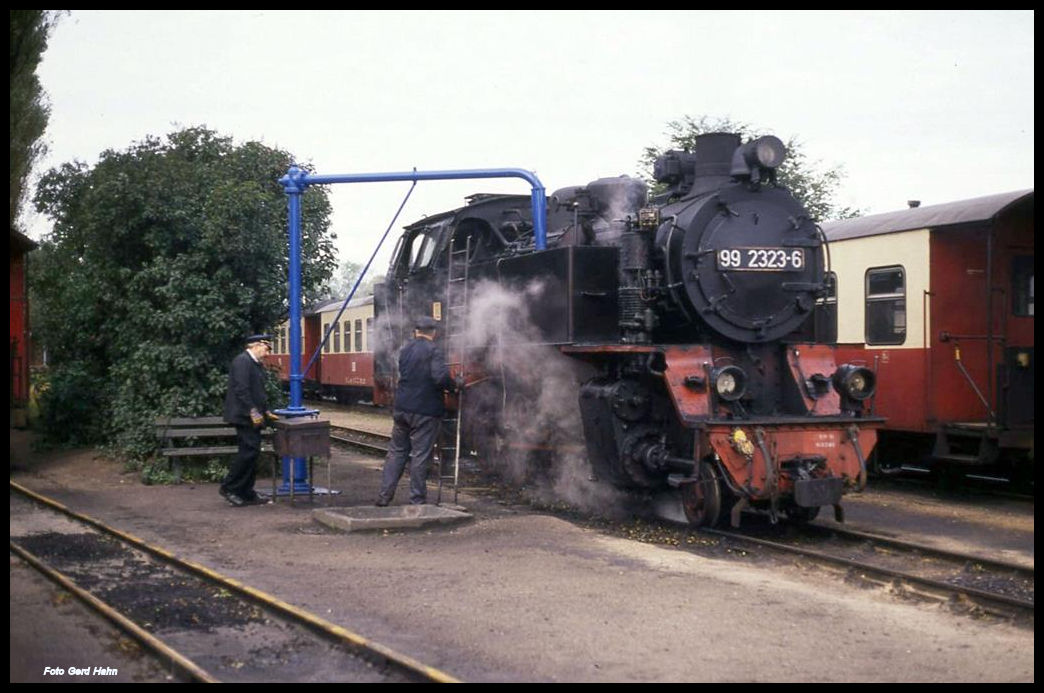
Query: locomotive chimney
(703, 169)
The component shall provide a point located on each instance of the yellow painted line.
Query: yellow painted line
(275, 603)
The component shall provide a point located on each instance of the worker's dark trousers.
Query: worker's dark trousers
(413, 437)
(240, 477)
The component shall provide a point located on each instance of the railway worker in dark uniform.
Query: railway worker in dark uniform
(418, 412)
(246, 408)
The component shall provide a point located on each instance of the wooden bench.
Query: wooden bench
(201, 436)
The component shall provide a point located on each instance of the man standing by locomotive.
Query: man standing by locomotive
(246, 408)
(418, 412)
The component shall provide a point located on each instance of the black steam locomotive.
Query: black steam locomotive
(672, 325)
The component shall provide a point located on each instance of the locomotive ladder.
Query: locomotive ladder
(456, 326)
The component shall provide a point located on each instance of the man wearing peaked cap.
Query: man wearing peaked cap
(246, 408)
(427, 323)
(418, 412)
(255, 338)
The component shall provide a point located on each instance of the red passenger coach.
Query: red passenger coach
(344, 369)
(938, 300)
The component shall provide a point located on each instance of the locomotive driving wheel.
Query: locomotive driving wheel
(702, 499)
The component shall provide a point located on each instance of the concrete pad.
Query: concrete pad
(369, 517)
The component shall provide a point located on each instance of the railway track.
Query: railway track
(916, 570)
(209, 627)
(375, 443)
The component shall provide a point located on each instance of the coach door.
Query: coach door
(312, 336)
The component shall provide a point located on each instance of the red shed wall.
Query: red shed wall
(19, 318)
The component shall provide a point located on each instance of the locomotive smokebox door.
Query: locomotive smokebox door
(301, 438)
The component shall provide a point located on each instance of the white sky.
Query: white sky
(935, 106)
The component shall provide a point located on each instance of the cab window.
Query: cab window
(422, 249)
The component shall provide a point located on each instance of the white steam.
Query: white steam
(535, 389)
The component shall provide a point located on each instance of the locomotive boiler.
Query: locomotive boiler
(681, 314)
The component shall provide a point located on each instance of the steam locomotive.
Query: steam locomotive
(670, 324)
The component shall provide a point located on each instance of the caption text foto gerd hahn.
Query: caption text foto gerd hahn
(80, 671)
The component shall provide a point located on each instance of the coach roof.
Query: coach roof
(970, 211)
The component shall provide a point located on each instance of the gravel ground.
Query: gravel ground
(517, 595)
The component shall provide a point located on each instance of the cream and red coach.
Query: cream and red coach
(938, 301)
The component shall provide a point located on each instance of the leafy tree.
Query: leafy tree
(29, 109)
(815, 188)
(162, 258)
(344, 279)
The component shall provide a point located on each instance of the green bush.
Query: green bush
(162, 258)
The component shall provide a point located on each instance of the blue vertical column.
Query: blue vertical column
(294, 185)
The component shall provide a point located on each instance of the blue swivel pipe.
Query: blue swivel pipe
(294, 183)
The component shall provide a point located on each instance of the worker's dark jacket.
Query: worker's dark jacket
(423, 375)
(246, 390)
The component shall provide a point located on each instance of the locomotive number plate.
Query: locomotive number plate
(761, 259)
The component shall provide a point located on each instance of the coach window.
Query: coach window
(369, 332)
(885, 305)
(326, 344)
(346, 327)
(1022, 285)
(358, 335)
(336, 339)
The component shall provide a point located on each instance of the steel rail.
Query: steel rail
(149, 641)
(992, 602)
(296, 614)
(996, 564)
(355, 442)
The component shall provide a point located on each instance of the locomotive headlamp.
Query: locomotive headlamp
(854, 381)
(730, 382)
(761, 156)
(767, 152)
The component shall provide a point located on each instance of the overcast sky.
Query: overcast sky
(934, 106)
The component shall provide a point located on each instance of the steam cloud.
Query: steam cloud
(540, 423)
